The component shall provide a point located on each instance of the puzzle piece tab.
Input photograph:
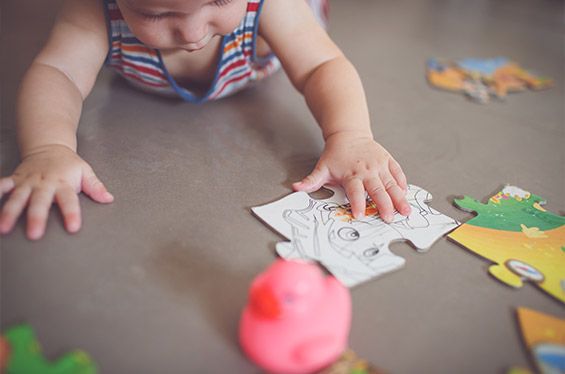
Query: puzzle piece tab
(22, 355)
(354, 251)
(525, 241)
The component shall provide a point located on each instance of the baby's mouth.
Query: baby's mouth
(191, 47)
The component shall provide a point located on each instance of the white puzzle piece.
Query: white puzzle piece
(354, 251)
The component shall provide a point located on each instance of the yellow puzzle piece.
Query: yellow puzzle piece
(525, 241)
(544, 335)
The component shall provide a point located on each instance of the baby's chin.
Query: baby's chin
(191, 47)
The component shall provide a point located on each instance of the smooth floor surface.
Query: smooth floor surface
(155, 282)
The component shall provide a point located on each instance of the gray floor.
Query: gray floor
(155, 282)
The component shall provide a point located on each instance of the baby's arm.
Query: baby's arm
(335, 95)
(48, 111)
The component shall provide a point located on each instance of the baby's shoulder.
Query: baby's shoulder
(86, 15)
(78, 43)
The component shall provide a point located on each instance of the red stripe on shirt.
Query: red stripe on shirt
(144, 69)
(232, 66)
(252, 7)
(235, 79)
(139, 79)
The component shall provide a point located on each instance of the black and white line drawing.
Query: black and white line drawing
(354, 251)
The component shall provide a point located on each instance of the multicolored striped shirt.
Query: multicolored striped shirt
(143, 66)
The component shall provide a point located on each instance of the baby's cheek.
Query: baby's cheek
(153, 37)
(226, 23)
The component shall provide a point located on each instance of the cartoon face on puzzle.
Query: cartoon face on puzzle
(352, 250)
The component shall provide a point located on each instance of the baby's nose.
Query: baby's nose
(191, 31)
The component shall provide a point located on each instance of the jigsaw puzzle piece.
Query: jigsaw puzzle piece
(506, 276)
(352, 250)
(444, 75)
(482, 67)
(425, 225)
(515, 74)
(544, 336)
(350, 363)
(24, 355)
(526, 242)
(350, 273)
(480, 78)
(469, 205)
(338, 195)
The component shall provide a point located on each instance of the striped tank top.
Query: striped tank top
(238, 64)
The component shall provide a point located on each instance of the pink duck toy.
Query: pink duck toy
(297, 320)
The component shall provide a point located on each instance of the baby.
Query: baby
(197, 50)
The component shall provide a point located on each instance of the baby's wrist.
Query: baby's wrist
(46, 148)
(349, 134)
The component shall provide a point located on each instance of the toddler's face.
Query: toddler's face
(185, 24)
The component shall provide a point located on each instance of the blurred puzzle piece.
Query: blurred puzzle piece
(518, 370)
(525, 241)
(350, 363)
(21, 354)
(353, 250)
(544, 336)
(480, 79)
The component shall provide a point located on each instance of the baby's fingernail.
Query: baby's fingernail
(35, 234)
(4, 228)
(73, 227)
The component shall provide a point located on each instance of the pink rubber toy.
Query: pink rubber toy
(297, 320)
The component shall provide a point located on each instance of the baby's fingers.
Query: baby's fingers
(39, 205)
(314, 181)
(397, 195)
(356, 195)
(381, 198)
(6, 185)
(67, 199)
(13, 208)
(398, 174)
(92, 186)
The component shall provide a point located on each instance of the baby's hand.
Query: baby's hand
(52, 173)
(360, 164)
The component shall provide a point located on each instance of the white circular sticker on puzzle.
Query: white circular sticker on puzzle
(525, 270)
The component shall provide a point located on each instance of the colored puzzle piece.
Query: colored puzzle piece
(524, 240)
(24, 356)
(544, 336)
(482, 78)
(354, 251)
(350, 363)
(518, 370)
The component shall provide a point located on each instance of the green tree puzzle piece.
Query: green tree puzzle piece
(510, 213)
(25, 356)
(521, 238)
